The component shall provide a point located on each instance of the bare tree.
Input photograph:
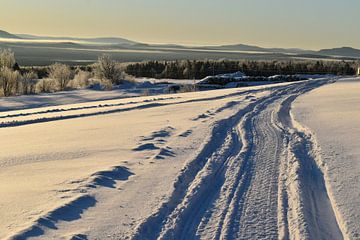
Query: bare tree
(61, 73)
(107, 69)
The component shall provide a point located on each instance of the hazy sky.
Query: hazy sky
(308, 24)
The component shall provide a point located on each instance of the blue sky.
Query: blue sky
(271, 23)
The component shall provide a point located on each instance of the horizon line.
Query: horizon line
(175, 43)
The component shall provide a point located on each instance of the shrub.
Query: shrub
(9, 80)
(61, 73)
(106, 69)
(8, 77)
(7, 59)
(28, 83)
(101, 84)
(106, 84)
(46, 85)
(81, 80)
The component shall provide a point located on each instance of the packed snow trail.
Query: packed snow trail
(257, 178)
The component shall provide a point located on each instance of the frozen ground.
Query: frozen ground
(224, 164)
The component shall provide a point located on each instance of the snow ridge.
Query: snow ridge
(74, 208)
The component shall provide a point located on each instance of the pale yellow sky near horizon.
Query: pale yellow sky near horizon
(278, 23)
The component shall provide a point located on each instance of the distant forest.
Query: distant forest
(200, 69)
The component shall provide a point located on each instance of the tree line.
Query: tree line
(105, 73)
(186, 69)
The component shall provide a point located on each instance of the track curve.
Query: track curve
(257, 178)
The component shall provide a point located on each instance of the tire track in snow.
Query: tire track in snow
(152, 227)
(248, 208)
(259, 216)
(42, 116)
(56, 109)
(239, 188)
(81, 112)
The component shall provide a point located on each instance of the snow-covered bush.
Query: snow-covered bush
(8, 77)
(46, 85)
(101, 84)
(61, 73)
(7, 58)
(9, 80)
(81, 80)
(28, 83)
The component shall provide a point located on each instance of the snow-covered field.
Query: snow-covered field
(222, 164)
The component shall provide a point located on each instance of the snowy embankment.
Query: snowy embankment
(333, 113)
(218, 164)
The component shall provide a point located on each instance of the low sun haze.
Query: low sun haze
(277, 23)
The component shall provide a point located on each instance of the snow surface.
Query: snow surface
(222, 164)
(333, 113)
(236, 76)
(167, 80)
(78, 96)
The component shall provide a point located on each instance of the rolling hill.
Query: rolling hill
(100, 40)
(4, 34)
(343, 51)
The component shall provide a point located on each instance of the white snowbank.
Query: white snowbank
(237, 76)
(333, 113)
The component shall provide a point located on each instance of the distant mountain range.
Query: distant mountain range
(7, 35)
(334, 52)
(343, 51)
(31, 49)
(109, 40)
(249, 48)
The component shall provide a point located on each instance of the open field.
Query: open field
(234, 163)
